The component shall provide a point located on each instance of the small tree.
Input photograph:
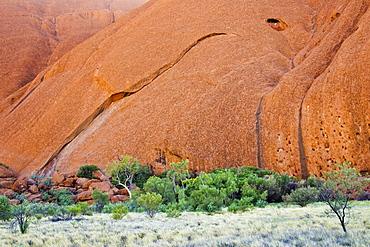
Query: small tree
(150, 202)
(340, 185)
(100, 199)
(123, 171)
(178, 173)
(22, 214)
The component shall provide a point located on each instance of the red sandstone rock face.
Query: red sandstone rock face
(36, 33)
(282, 85)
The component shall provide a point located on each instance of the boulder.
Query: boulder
(100, 175)
(82, 181)
(113, 191)
(102, 186)
(33, 189)
(119, 198)
(66, 183)
(20, 185)
(84, 196)
(123, 192)
(58, 178)
(6, 184)
(7, 192)
(15, 202)
(35, 197)
(6, 173)
(88, 183)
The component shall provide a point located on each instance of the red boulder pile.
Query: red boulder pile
(33, 187)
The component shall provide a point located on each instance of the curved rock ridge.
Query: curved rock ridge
(282, 85)
(36, 33)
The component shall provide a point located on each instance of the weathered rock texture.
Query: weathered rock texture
(282, 85)
(36, 33)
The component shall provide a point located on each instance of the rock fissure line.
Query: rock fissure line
(25, 97)
(302, 152)
(47, 166)
(258, 133)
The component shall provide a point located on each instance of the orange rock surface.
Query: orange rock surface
(36, 33)
(281, 85)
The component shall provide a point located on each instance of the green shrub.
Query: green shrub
(5, 208)
(142, 176)
(244, 204)
(302, 196)
(150, 202)
(79, 208)
(100, 199)
(23, 213)
(87, 171)
(48, 182)
(63, 197)
(162, 186)
(207, 199)
(119, 210)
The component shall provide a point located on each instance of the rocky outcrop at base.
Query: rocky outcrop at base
(34, 188)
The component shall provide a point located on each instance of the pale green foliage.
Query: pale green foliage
(79, 208)
(150, 202)
(341, 184)
(302, 196)
(178, 174)
(123, 171)
(119, 211)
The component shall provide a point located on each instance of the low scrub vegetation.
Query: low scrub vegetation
(274, 225)
(249, 207)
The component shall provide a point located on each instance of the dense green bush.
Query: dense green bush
(62, 197)
(150, 202)
(207, 199)
(142, 175)
(5, 208)
(162, 186)
(302, 196)
(243, 204)
(100, 199)
(87, 171)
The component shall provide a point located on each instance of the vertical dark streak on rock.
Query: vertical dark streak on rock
(302, 152)
(258, 134)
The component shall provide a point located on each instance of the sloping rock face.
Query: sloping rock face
(281, 85)
(36, 33)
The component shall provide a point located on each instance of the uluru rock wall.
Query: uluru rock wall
(36, 33)
(280, 85)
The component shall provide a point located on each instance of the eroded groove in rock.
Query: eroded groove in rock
(24, 98)
(146, 81)
(258, 133)
(302, 152)
(48, 166)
